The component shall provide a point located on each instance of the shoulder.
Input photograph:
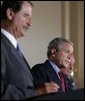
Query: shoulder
(41, 66)
(38, 67)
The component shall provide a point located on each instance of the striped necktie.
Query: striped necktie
(62, 81)
(19, 50)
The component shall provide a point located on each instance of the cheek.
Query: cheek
(19, 27)
(18, 21)
(62, 56)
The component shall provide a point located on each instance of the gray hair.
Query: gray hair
(55, 44)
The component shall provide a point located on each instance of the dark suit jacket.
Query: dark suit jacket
(16, 78)
(45, 73)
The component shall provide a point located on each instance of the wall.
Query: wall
(46, 25)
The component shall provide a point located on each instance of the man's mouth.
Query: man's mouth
(26, 28)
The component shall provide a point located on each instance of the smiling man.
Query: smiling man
(60, 55)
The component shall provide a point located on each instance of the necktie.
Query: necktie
(19, 51)
(62, 81)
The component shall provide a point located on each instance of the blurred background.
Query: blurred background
(56, 19)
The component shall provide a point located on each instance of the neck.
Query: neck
(6, 25)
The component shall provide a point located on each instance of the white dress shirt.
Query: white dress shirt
(10, 37)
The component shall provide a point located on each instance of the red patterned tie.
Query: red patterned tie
(62, 81)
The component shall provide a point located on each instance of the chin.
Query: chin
(64, 66)
(21, 35)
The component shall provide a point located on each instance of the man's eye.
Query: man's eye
(26, 16)
(66, 52)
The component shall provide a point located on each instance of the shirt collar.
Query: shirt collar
(10, 37)
(55, 67)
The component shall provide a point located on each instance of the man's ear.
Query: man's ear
(53, 51)
(10, 13)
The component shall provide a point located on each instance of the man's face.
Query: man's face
(22, 20)
(64, 55)
(69, 70)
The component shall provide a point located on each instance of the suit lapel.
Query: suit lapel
(22, 61)
(52, 72)
(13, 51)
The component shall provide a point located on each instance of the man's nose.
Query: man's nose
(29, 22)
(69, 57)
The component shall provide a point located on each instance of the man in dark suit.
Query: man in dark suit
(16, 80)
(60, 57)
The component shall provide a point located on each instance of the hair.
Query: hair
(14, 5)
(55, 44)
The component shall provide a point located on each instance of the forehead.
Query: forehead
(25, 3)
(26, 7)
(67, 46)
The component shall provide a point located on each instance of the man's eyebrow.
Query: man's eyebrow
(26, 14)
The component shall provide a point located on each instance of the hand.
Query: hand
(47, 88)
(51, 87)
